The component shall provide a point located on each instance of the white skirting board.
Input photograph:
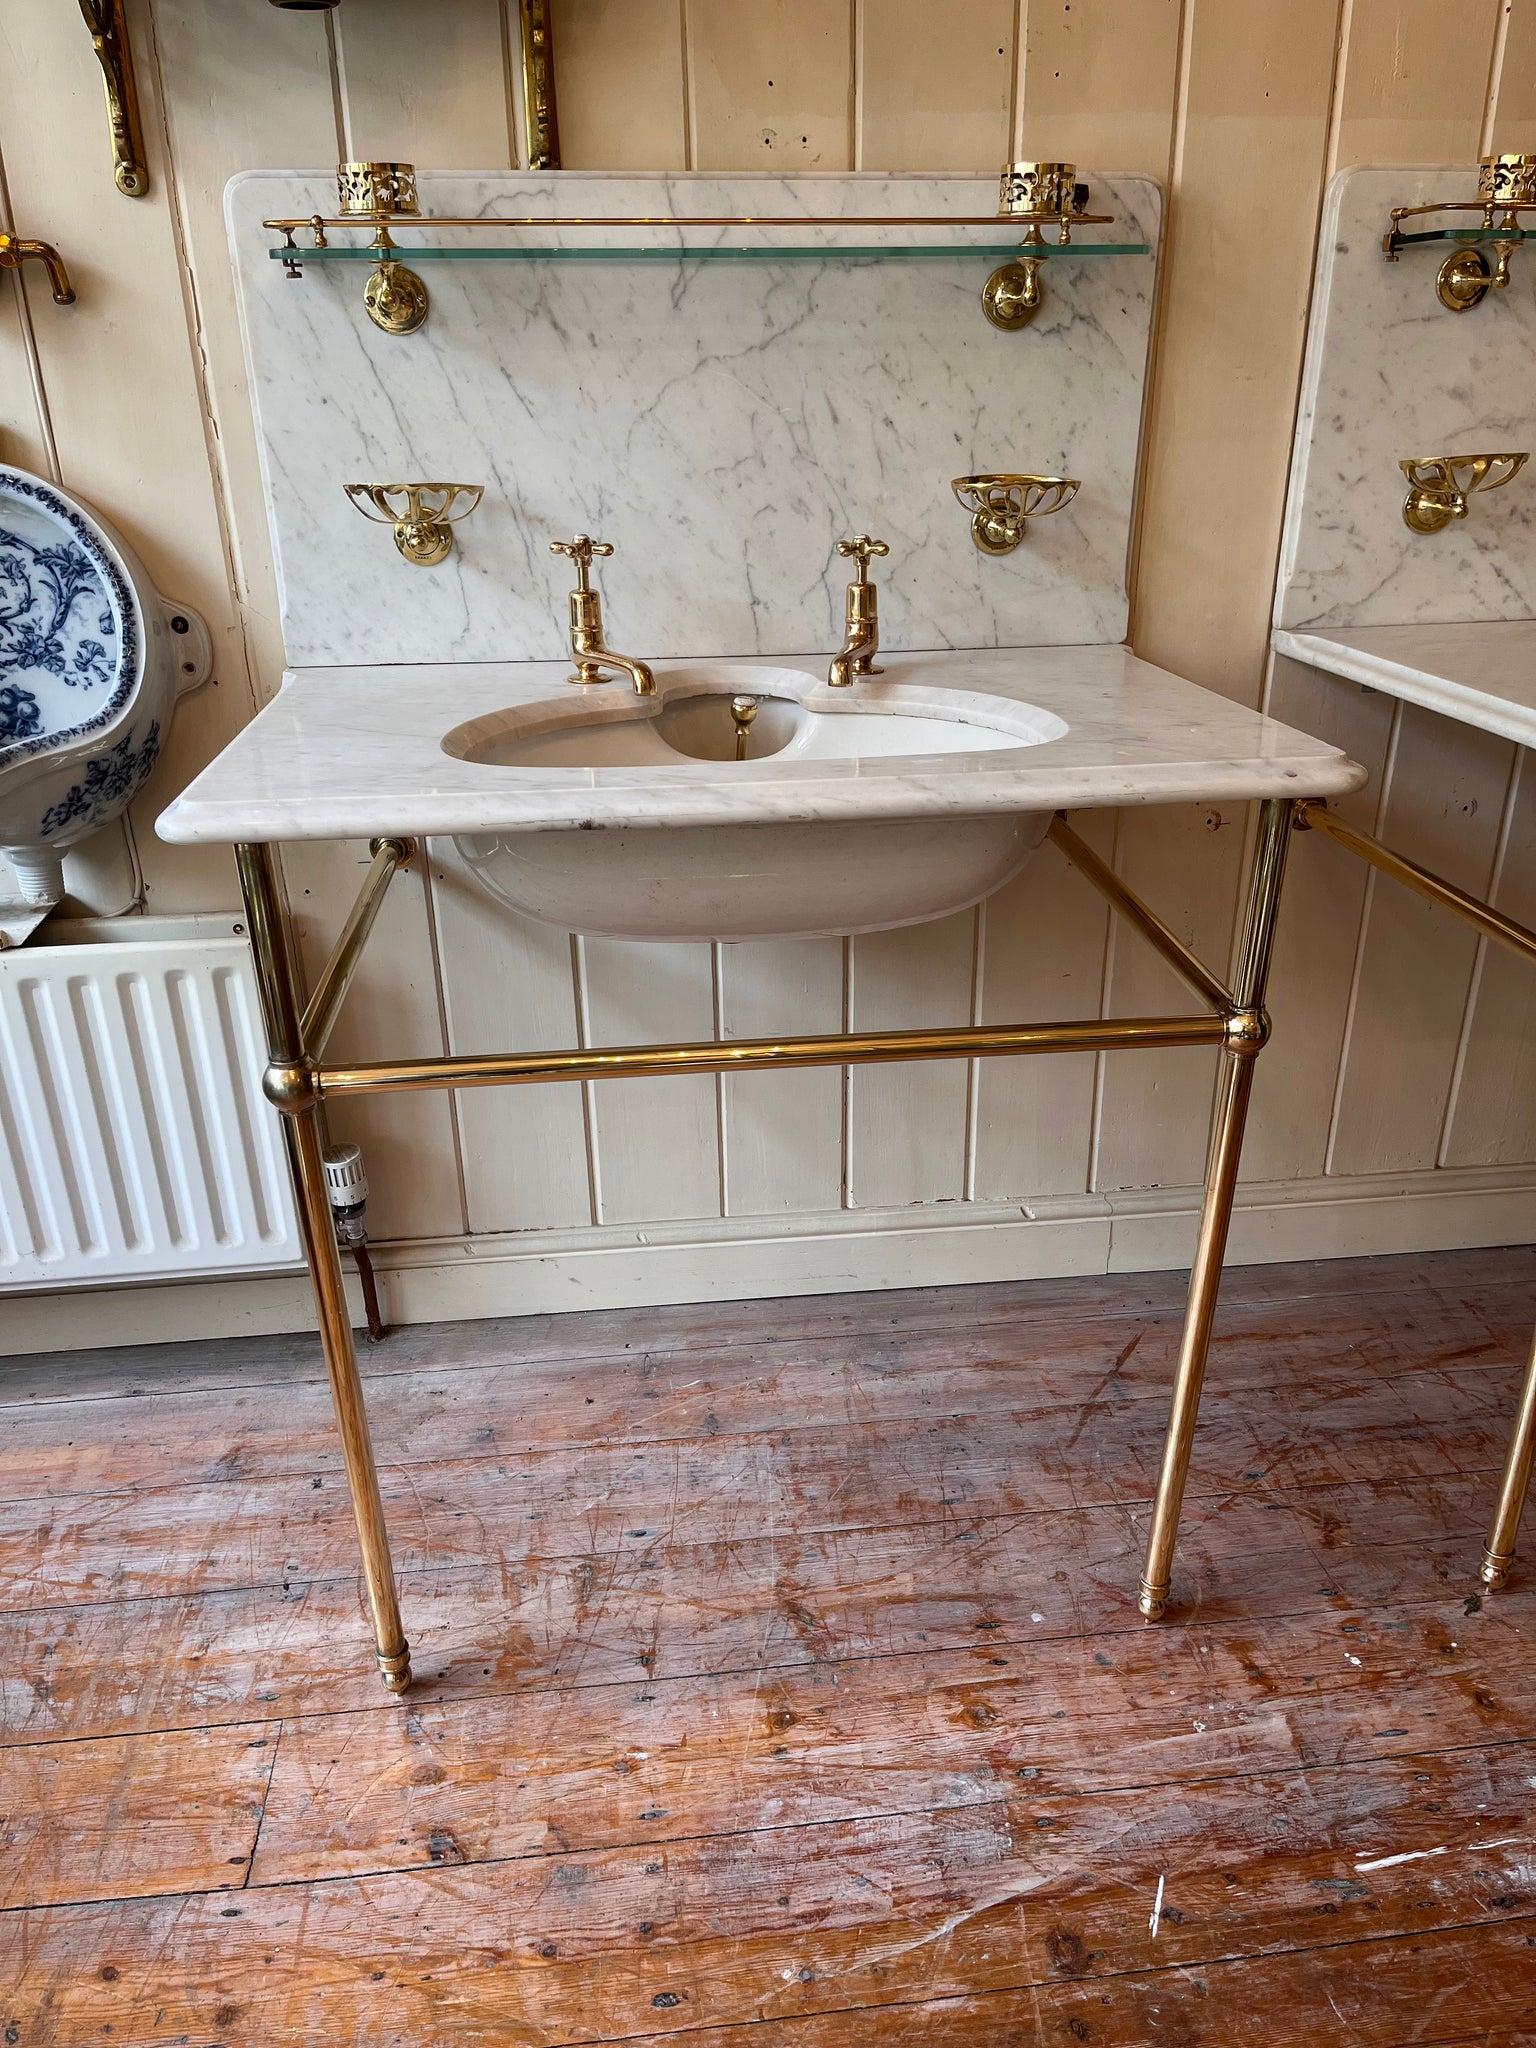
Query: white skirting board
(443, 1279)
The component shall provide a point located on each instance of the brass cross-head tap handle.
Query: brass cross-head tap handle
(582, 551)
(860, 548)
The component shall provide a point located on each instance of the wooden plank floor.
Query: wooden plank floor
(778, 1667)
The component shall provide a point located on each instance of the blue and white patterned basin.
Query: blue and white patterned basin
(88, 677)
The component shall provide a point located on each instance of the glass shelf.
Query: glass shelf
(1403, 241)
(410, 255)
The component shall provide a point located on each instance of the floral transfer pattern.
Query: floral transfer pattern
(107, 784)
(19, 715)
(64, 607)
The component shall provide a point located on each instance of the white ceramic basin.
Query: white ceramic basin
(758, 879)
(911, 794)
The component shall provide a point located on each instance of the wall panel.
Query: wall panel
(770, 84)
(622, 99)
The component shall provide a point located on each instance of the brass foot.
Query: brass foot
(1152, 1600)
(1493, 1571)
(396, 1671)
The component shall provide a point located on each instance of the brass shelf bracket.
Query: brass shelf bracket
(109, 37)
(15, 250)
(1506, 186)
(539, 109)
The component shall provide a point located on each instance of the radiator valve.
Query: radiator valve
(346, 1182)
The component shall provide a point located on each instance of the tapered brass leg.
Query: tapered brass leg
(289, 1083)
(1499, 1550)
(1248, 1029)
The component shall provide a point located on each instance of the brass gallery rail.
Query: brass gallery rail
(298, 1083)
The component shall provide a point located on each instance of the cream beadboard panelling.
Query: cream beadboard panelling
(1403, 1054)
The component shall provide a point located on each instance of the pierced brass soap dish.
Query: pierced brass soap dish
(423, 529)
(1001, 506)
(1440, 485)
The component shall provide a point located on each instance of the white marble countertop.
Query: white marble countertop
(352, 752)
(1482, 672)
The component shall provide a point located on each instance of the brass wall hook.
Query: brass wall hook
(423, 530)
(1440, 485)
(1001, 506)
(109, 38)
(14, 251)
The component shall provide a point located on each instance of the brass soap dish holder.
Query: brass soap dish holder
(1032, 196)
(1440, 485)
(423, 529)
(1002, 505)
(1506, 186)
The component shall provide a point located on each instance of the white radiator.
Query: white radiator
(135, 1142)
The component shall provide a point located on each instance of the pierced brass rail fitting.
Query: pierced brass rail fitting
(423, 530)
(1002, 505)
(1440, 485)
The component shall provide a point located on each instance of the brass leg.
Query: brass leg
(290, 1083)
(1248, 1029)
(1499, 1550)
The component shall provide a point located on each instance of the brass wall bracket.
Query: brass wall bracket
(1038, 195)
(1002, 505)
(1506, 186)
(423, 529)
(14, 251)
(109, 38)
(539, 87)
(1440, 485)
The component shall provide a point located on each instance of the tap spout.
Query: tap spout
(861, 641)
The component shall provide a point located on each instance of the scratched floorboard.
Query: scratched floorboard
(778, 1668)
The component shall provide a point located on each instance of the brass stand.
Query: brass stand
(1499, 1550)
(298, 1084)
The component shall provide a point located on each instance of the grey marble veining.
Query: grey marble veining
(722, 423)
(1390, 373)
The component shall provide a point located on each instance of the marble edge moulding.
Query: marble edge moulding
(749, 412)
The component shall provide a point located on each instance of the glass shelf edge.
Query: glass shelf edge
(1008, 251)
(1405, 241)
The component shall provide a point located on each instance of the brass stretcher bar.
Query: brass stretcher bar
(1515, 1480)
(298, 1084)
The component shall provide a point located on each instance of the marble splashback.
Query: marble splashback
(1391, 373)
(721, 422)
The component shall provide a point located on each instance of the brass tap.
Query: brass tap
(15, 250)
(587, 650)
(861, 616)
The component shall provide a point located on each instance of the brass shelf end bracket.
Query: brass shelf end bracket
(109, 37)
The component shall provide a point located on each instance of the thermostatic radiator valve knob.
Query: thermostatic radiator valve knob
(346, 1182)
